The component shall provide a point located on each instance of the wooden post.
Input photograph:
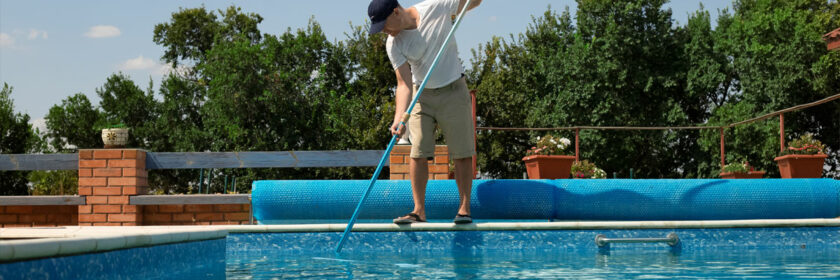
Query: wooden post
(722, 153)
(781, 132)
(577, 144)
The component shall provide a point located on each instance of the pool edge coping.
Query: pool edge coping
(513, 226)
(35, 243)
(73, 240)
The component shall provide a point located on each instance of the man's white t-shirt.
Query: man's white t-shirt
(419, 46)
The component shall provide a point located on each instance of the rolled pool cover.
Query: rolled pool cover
(291, 201)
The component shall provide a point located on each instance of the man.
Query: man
(416, 34)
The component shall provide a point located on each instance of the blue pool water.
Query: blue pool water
(547, 264)
(812, 252)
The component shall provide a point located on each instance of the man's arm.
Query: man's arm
(403, 96)
(473, 4)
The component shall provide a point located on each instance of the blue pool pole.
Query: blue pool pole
(402, 124)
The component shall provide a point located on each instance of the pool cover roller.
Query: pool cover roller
(568, 199)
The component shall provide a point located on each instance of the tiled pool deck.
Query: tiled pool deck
(31, 243)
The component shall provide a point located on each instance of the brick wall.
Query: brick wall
(438, 167)
(197, 214)
(68, 215)
(39, 216)
(107, 178)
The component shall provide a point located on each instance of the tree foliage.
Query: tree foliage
(776, 54)
(616, 63)
(624, 63)
(73, 123)
(16, 137)
(239, 90)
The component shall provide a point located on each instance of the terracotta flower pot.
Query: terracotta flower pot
(549, 167)
(801, 166)
(750, 175)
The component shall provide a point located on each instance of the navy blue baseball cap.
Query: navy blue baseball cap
(378, 12)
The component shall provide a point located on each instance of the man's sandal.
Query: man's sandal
(462, 219)
(411, 218)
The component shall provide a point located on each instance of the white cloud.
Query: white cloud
(35, 33)
(143, 63)
(103, 31)
(138, 63)
(6, 40)
(493, 18)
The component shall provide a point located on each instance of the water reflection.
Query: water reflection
(467, 257)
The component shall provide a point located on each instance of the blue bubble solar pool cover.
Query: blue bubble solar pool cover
(608, 199)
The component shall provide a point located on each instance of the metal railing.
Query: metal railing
(721, 128)
(671, 239)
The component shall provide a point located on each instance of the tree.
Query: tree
(73, 123)
(618, 63)
(122, 102)
(193, 32)
(510, 79)
(291, 91)
(630, 73)
(619, 66)
(16, 137)
(710, 83)
(625, 64)
(54, 182)
(777, 55)
(357, 114)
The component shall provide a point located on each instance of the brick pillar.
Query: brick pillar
(107, 178)
(438, 168)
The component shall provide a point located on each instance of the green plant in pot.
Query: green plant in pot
(549, 159)
(803, 158)
(587, 170)
(740, 170)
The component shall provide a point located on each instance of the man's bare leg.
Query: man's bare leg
(419, 173)
(463, 177)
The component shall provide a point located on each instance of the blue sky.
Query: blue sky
(52, 49)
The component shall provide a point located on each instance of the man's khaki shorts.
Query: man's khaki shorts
(451, 109)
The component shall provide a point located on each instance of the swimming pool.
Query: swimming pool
(706, 249)
(763, 252)
(770, 228)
